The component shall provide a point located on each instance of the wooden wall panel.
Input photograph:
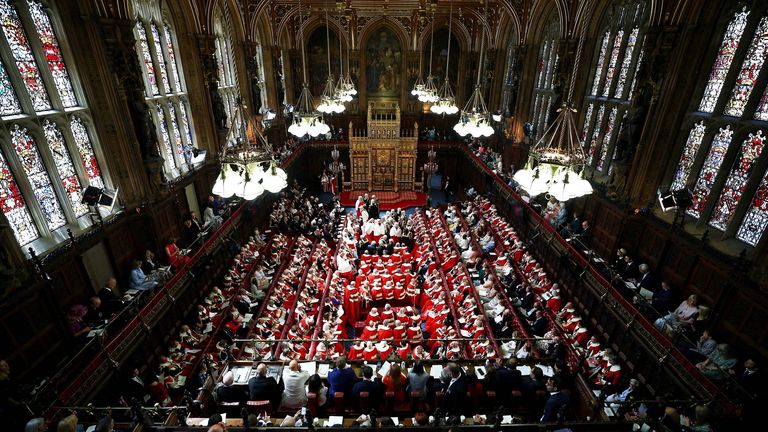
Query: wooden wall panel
(707, 281)
(653, 247)
(679, 263)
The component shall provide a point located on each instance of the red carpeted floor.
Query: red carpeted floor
(387, 200)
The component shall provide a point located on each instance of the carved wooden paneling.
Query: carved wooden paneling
(71, 282)
(606, 226)
(677, 266)
(653, 244)
(707, 281)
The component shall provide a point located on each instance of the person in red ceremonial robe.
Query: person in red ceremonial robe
(593, 347)
(176, 257)
(385, 331)
(399, 331)
(359, 205)
(301, 352)
(332, 186)
(356, 351)
(389, 288)
(403, 351)
(387, 313)
(566, 313)
(580, 337)
(419, 353)
(370, 353)
(377, 292)
(320, 352)
(373, 315)
(572, 324)
(454, 350)
(352, 303)
(384, 350)
(554, 303)
(370, 332)
(451, 261)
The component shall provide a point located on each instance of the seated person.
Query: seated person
(262, 387)
(227, 391)
(315, 385)
(719, 363)
(614, 401)
(138, 280)
(341, 379)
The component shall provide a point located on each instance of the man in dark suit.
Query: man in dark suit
(556, 404)
(455, 391)
(341, 379)
(508, 378)
(540, 324)
(262, 387)
(109, 299)
(645, 279)
(374, 387)
(526, 301)
(631, 270)
(227, 391)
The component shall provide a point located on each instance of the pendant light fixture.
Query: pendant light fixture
(329, 101)
(446, 102)
(556, 161)
(306, 121)
(429, 92)
(345, 88)
(475, 120)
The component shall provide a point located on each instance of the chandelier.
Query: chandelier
(248, 167)
(474, 119)
(556, 161)
(430, 167)
(335, 167)
(446, 102)
(306, 121)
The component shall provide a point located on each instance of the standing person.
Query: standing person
(556, 404)
(417, 379)
(395, 382)
(341, 379)
(294, 393)
(262, 387)
(455, 398)
(109, 298)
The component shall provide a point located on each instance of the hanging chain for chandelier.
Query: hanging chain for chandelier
(418, 86)
(429, 93)
(446, 102)
(248, 167)
(306, 121)
(330, 101)
(345, 88)
(556, 161)
(474, 119)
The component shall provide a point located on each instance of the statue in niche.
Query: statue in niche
(256, 94)
(217, 102)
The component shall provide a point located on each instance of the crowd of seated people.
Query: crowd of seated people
(200, 346)
(299, 213)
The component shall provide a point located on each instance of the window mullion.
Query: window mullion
(40, 60)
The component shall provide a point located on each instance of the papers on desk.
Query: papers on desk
(334, 421)
(396, 421)
(647, 294)
(630, 285)
(526, 370)
(132, 292)
(197, 421)
(384, 369)
(507, 419)
(323, 369)
(247, 317)
(308, 367)
(242, 373)
(436, 371)
(480, 371)
(96, 332)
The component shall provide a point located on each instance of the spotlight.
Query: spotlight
(681, 198)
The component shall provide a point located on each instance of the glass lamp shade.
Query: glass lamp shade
(251, 187)
(272, 181)
(474, 124)
(445, 106)
(534, 181)
(227, 183)
(567, 184)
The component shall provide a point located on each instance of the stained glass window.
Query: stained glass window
(609, 73)
(9, 104)
(600, 64)
(14, 207)
(52, 54)
(149, 66)
(709, 171)
(625, 63)
(179, 144)
(22, 53)
(84, 147)
(756, 220)
(593, 143)
(228, 87)
(172, 57)
(634, 77)
(543, 93)
(32, 163)
(723, 61)
(162, 125)
(607, 136)
(64, 166)
(160, 58)
(185, 121)
(737, 180)
(750, 68)
(688, 156)
(587, 119)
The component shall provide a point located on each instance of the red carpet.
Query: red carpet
(387, 200)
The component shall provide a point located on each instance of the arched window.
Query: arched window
(225, 57)
(722, 159)
(618, 57)
(165, 91)
(543, 90)
(47, 151)
(508, 86)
